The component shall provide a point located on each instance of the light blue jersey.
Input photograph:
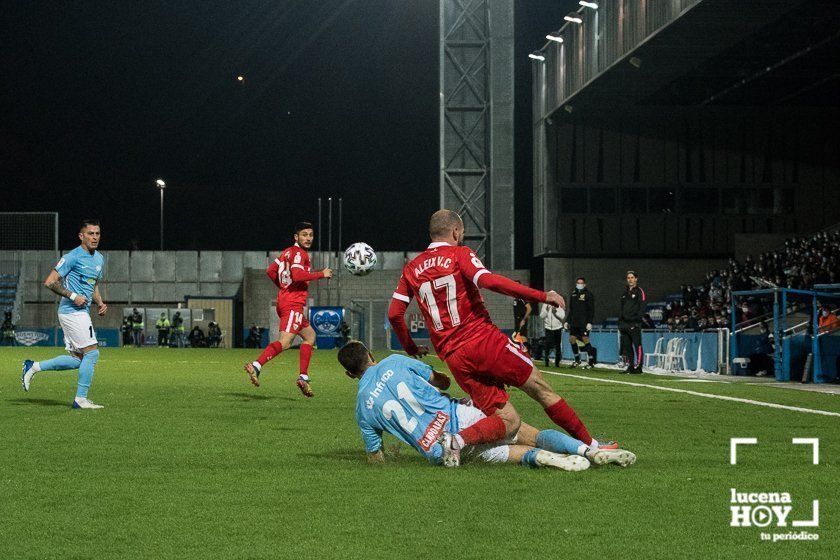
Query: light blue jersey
(80, 271)
(395, 397)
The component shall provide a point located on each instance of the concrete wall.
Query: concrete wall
(166, 277)
(259, 295)
(605, 277)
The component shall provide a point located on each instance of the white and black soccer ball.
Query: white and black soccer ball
(359, 259)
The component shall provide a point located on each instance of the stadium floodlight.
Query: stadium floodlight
(537, 55)
(161, 184)
(574, 17)
(555, 36)
(585, 4)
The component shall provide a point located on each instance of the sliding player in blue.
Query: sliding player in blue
(76, 278)
(401, 396)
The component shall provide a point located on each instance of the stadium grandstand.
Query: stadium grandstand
(696, 143)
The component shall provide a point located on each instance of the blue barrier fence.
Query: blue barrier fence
(27, 336)
(701, 347)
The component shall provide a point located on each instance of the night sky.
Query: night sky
(340, 98)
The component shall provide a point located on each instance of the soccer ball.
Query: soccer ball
(359, 259)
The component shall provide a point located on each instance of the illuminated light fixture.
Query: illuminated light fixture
(585, 4)
(555, 36)
(240, 78)
(161, 184)
(537, 55)
(574, 17)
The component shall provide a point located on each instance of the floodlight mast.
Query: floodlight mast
(161, 185)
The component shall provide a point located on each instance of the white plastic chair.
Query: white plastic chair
(670, 352)
(655, 358)
(679, 356)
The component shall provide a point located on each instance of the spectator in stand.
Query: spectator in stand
(828, 321)
(214, 334)
(803, 262)
(197, 338)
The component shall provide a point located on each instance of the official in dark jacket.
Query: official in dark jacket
(633, 303)
(579, 316)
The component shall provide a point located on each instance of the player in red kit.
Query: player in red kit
(290, 273)
(445, 279)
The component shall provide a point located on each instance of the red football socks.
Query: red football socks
(564, 416)
(485, 430)
(270, 351)
(305, 356)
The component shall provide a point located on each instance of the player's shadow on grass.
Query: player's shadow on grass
(358, 455)
(253, 397)
(39, 402)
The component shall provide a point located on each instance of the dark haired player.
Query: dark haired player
(291, 273)
(76, 279)
(446, 279)
(402, 396)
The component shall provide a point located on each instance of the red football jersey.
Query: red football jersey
(443, 278)
(291, 292)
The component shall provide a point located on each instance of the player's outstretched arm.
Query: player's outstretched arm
(300, 275)
(474, 271)
(503, 285)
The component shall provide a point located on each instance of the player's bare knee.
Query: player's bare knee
(538, 389)
(511, 418)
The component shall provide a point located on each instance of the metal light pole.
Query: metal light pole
(161, 184)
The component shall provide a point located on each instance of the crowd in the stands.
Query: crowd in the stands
(802, 263)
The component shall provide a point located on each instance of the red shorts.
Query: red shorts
(484, 366)
(292, 318)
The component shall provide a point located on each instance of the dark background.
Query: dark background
(340, 98)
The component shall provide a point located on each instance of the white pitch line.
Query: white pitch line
(698, 394)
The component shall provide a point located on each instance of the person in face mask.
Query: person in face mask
(579, 316)
(828, 321)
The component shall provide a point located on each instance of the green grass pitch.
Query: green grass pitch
(188, 460)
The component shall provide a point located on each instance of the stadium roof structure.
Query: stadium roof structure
(718, 52)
